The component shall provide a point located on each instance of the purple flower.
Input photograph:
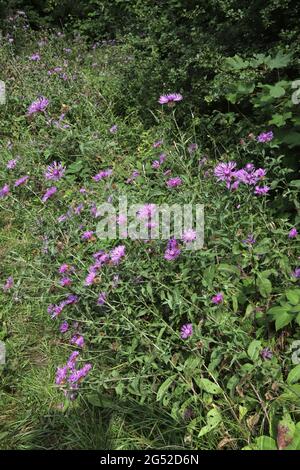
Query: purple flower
(11, 164)
(293, 233)
(61, 375)
(261, 190)
(170, 99)
(265, 137)
(90, 279)
(72, 359)
(133, 176)
(49, 193)
(8, 284)
(189, 236)
(296, 273)
(147, 211)
(158, 143)
(77, 375)
(71, 299)
(172, 251)
(186, 331)
(102, 298)
(65, 281)
(87, 235)
(155, 164)
(35, 57)
(38, 106)
(218, 298)
(250, 240)
(64, 327)
(174, 182)
(266, 354)
(192, 148)
(113, 129)
(225, 171)
(77, 340)
(55, 171)
(21, 180)
(63, 268)
(102, 174)
(117, 253)
(4, 191)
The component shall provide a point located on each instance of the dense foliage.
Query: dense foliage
(193, 349)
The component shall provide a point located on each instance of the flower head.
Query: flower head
(186, 331)
(102, 174)
(38, 106)
(102, 298)
(11, 164)
(174, 182)
(265, 137)
(49, 193)
(117, 253)
(55, 171)
(172, 251)
(4, 191)
(170, 99)
(8, 284)
(293, 233)
(218, 298)
(261, 190)
(64, 327)
(21, 181)
(266, 354)
(189, 235)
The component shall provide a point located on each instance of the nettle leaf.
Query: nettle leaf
(253, 349)
(208, 386)
(294, 375)
(164, 387)
(214, 418)
(264, 286)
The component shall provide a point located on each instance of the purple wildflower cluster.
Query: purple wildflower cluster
(69, 377)
(248, 175)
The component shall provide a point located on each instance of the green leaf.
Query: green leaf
(292, 296)
(164, 387)
(277, 311)
(209, 386)
(213, 420)
(265, 443)
(229, 268)
(264, 286)
(294, 375)
(283, 320)
(254, 349)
